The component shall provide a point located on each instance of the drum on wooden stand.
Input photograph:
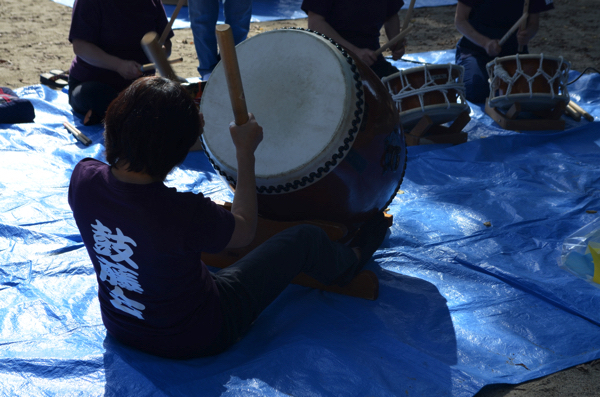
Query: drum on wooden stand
(333, 147)
(535, 81)
(437, 91)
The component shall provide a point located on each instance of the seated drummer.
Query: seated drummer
(483, 23)
(145, 239)
(106, 38)
(356, 25)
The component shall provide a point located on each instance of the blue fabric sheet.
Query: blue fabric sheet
(461, 305)
(268, 10)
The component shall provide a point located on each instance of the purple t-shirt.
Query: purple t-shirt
(493, 18)
(145, 242)
(357, 21)
(117, 27)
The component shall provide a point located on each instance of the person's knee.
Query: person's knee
(477, 90)
(306, 232)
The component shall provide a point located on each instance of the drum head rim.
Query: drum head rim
(350, 128)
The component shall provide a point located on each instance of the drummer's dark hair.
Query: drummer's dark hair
(152, 124)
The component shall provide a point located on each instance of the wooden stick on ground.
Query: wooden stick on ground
(165, 33)
(232, 73)
(513, 28)
(585, 114)
(393, 41)
(572, 112)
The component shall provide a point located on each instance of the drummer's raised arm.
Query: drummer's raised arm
(246, 138)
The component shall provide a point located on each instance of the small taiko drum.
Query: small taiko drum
(332, 148)
(535, 81)
(437, 91)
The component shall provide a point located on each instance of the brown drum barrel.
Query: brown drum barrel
(361, 184)
(417, 78)
(529, 67)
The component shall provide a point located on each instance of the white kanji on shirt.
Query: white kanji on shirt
(112, 249)
(119, 275)
(107, 244)
(120, 301)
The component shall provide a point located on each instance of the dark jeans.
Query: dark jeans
(476, 78)
(90, 95)
(383, 68)
(247, 287)
(477, 87)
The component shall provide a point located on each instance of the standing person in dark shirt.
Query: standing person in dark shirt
(106, 36)
(145, 240)
(356, 25)
(483, 23)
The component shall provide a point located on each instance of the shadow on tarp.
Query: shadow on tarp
(310, 342)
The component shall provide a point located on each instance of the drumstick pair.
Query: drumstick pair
(576, 111)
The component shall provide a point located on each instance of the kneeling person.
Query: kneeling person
(145, 239)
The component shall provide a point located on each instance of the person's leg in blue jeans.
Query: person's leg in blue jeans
(477, 87)
(203, 19)
(247, 287)
(237, 15)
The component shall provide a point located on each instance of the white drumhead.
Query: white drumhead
(302, 92)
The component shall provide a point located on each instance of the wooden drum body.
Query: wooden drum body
(534, 81)
(434, 90)
(333, 147)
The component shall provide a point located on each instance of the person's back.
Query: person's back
(145, 242)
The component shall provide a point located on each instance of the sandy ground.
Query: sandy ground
(33, 40)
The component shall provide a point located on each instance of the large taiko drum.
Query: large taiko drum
(535, 81)
(333, 147)
(437, 91)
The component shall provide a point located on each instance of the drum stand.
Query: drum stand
(365, 285)
(547, 120)
(426, 132)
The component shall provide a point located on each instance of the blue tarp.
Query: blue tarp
(461, 304)
(268, 10)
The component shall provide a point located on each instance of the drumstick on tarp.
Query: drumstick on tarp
(393, 41)
(232, 73)
(579, 109)
(165, 33)
(514, 28)
(524, 23)
(151, 66)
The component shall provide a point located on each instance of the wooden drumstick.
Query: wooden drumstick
(572, 112)
(524, 23)
(155, 53)
(151, 66)
(165, 33)
(514, 28)
(80, 136)
(408, 14)
(585, 114)
(393, 41)
(232, 73)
